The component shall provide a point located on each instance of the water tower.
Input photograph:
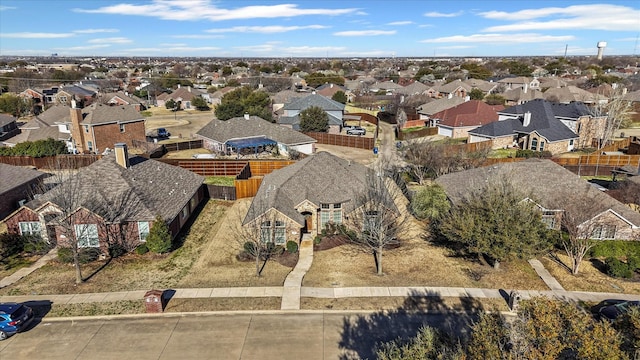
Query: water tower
(601, 46)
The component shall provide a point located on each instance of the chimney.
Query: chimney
(246, 116)
(526, 87)
(178, 86)
(122, 155)
(527, 119)
(189, 88)
(77, 133)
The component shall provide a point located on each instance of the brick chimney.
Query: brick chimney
(527, 119)
(77, 133)
(122, 155)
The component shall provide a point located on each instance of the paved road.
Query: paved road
(269, 336)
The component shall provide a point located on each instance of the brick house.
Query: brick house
(305, 196)
(17, 185)
(553, 189)
(114, 200)
(101, 126)
(456, 122)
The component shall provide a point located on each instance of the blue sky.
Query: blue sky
(373, 28)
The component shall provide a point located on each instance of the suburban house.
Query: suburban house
(252, 131)
(115, 199)
(426, 111)
(279, 99)
(291, 112)
(52, 123)
(486, 87)
(76, 92)
(99, 126)
(521, 95)
(329, 90)
(17, 185)
(8, 126)
(569, 94)
(184, 96)
(415, 88)
(456, 88)
(305, 196)
(519, 82)
(124, 98)
(554, 190)
(533, 125)
(456, 122)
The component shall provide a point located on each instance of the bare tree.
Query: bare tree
(580, 232)
(616, 111)
(376, 222)
(258, 236)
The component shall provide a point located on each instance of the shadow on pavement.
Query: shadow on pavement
(40, 309)
(363, 334)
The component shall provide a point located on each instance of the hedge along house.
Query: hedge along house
(305, 196)
(253, 131)
(114, 200)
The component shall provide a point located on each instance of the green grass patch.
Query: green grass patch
(146, 113)
(601, 177)
(220, 180)
(502, 153)
(412, 129)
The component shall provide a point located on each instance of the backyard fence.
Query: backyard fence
(184, 145)
(52, 162)
(359, 142)
(222, 192)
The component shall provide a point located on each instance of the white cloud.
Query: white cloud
(183, 10)
(82, 48)
(113, 40)
(5, 8)
(169, 50)
(265, 29)
(309, 50)
(95, 31)
(500, 38)
(456, 47)
(197, 36)
(439, 14)
(426, 26)
(593, 17)
(34, 35)
(364, 33)
(400, 23)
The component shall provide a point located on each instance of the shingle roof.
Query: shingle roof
(78, 90)
(103, 114)
(151, 187)
(572, 93)
(470, 113)
(414, 88)
(547, 183)
(56, 114)
(435, 106)
(6, 119)
(14, 176)
(320, 101)
(452, 86)
(239, 127)
(320, 178)
(543, 121)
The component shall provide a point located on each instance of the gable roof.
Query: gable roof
(6, 119)
(55, 114)
(415, 87)
(151, 187)
(14, 176)
(543, 121)
(572, 93)
(98, 114)
(310, 100)
(453, 86)
(559, 188)
(438, 105)
(239, 127)
(319, 178)
(185, 93)
(469, 113)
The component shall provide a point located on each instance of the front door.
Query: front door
(308, 222)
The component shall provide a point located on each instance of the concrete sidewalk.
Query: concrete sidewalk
(6, 281)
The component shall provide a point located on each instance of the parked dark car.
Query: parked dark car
(611, 309)
(163, 133)
(14, 318)
(356, 131)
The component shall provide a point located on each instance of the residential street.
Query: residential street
(275, 335)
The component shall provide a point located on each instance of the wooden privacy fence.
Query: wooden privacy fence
(222, 192)
(359, 142)
(366, 117)
(209, 167)
(264, 167)
(184, 145)
(408, 135)
(52, 162)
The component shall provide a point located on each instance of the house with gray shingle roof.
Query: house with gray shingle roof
(134, 189)
(17, 185)
(217, 134)
(291, 112)
(537, 125)
(305, 196)
(53, 123)
(559, 190)
(8, 126)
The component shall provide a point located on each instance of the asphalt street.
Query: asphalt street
(268, 336)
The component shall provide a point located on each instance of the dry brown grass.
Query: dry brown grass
(590, 278)
(415, 263)
(223, 304)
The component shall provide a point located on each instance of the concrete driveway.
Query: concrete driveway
(304, 335)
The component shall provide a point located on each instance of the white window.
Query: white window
(337, 216)
(279, 233)
(602, 232)
(265, 232)
(29, 228)
(549, 219)
(534, 144)
(194, 202)
(185, 212)
(370, 219)
(86, 128)
(89, 145)
(87, 235)
(143, 230)
(121, 128)
(325, 216)
(541, 145)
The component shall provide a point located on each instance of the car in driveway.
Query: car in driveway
(612, 308)
(356, 131)
(14, 318)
